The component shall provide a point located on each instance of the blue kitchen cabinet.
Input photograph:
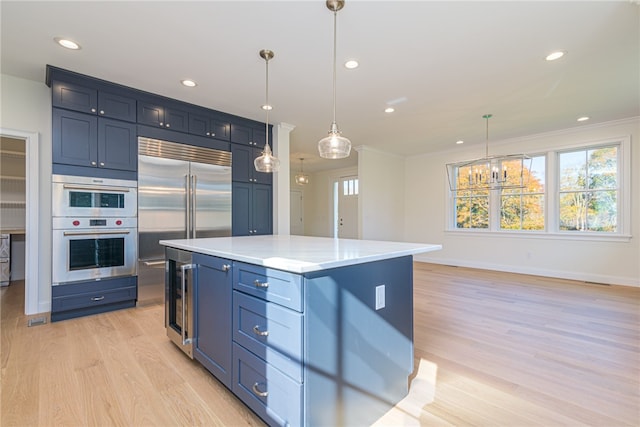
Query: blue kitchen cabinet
(323, 348)
(93, 142)
(243, 169)
(212, 346)
(252, 209)
(250, 135)
(88, 100)
(210, 126)
(164, 115)
(91, 297)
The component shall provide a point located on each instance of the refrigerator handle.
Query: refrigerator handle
(194, 204)
(187, 192)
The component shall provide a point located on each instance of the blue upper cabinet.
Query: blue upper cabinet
(247, 135)
(158, 114)
(204, 124)
(93, 142)
(86, 100)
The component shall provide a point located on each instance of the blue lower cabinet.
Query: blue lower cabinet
(272, 332)
(92, 297)
(272, 395)
(212, 346)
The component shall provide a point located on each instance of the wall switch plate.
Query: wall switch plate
(380, 297)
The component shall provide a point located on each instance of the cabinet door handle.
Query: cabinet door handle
(260, 284)
(168, 125)
(97, 298)
(257, 331)
(93, 163)
(101, 164)
(102, 112)
(93, 110)
(213, 134)
(257, 391)
(226, 267)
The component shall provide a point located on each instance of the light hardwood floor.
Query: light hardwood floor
(492, 349)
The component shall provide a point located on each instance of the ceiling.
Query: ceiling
(441, 64)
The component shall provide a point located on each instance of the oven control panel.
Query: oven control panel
(70, 223)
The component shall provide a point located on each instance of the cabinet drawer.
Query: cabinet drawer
(272, 285)
(272, 332)
(89, 299)
(275, 397)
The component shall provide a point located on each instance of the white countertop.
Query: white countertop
(300, 254)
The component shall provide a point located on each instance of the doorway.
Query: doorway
(345, 205)
(31, 224)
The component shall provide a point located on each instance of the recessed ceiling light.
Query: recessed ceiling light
(266, 107)
(69, 44)
(460, 142)
(351, 64)
(189, 83)
(389, 110)
(555, 55)
(583, 118)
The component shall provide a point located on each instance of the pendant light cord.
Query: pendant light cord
(267, 106)
(335, 24)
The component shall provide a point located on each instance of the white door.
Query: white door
(297, 218)
(347, 211)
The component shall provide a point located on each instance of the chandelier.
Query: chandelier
(302, 178)
(490, 172)
(267, 162)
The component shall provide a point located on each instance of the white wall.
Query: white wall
(25, 106)
(381, 199)
(615, 262)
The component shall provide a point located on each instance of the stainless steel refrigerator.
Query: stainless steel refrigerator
(183, 192)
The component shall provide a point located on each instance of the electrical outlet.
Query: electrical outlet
(380, 297)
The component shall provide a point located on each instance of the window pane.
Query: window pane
(573, 210)
(522, 212)
(603, 167)
(573, 171)
(472, 212)
(535, 183)
(602, 211)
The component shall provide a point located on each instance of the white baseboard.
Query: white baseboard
(535, 271)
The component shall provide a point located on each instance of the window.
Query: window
(589, 190)
(574, 192)
(350, 187)
(519, 208)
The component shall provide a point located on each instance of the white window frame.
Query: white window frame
(552, 194)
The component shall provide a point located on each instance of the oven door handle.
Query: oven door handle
(95, 233)
(183, 280)
(95, 188)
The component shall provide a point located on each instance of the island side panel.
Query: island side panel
(357, 358)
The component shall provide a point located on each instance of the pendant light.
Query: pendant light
(508, 171)
(334, 146)
(301, 178)
(267, 162)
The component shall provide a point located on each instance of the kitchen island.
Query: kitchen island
(320, 331)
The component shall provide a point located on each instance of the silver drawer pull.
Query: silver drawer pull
(257, 391)
(257, 331)
(260, 284)
(97, 298)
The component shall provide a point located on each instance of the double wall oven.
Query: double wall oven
(95, 234)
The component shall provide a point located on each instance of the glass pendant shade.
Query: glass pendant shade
(267, 162)
(334, 146)
(302, 178)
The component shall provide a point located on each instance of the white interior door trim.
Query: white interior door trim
(32, 257)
